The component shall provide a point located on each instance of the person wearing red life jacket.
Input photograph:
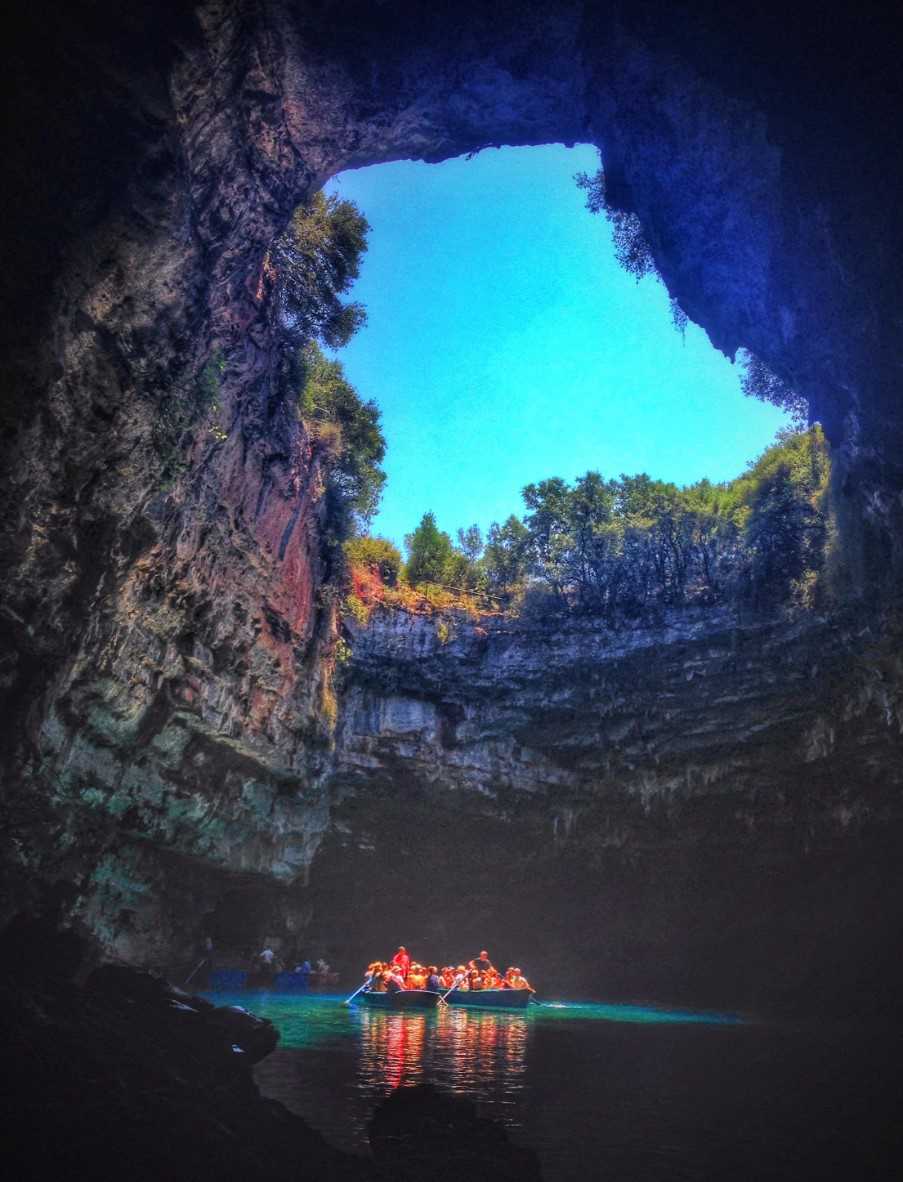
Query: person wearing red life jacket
(402, 961)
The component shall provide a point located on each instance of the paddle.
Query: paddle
(349, 1000)
(447, 992)
(194, 970)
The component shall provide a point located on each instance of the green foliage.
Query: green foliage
(625, 547)
(470, 542)
(377, 554)
(430, 553)
(631, 248)
(506, 556)
(355, 607)
(347, 433)
(758, 381)
(785, 527)
(315, 261)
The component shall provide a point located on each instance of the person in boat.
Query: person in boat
(267, 963)
(395, 982)
(433, 980)
(518, 981)
(481, 963)
(377, 977)
(402, 960)
(448, 976)
(462, 980)
(416, 978)
(476, 980)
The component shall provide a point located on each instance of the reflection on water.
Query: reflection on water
(636, 1093)
(474, 1053)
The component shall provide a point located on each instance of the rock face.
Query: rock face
(698, 810)
(167, 625)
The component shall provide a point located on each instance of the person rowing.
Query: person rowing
(516, 980)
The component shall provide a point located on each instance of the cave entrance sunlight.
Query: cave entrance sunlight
(505, 344)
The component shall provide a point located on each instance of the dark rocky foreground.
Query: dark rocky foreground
(127, 1076)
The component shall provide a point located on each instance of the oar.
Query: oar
(194, 970)
(442, 1000)
(349, 1000)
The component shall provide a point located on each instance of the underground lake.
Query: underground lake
(600, 1090)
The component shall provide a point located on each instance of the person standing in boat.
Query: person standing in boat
(402, 961)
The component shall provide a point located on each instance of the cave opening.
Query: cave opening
(704, 808)
(504, 343)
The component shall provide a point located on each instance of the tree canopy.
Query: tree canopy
(316, 260)
(347, 431)
(622, 547)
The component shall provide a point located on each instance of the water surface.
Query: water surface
(605, 1091)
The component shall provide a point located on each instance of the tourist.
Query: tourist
(434, 981)
(402, 960)
(519, 981)
(416, 978)
(481, 963)
(394, 980)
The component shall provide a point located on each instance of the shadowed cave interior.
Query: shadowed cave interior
(707, 808)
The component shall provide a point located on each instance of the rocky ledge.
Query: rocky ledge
(701, 809)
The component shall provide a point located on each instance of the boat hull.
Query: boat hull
(404, 999)
(490, 999)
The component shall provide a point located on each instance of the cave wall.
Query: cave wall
(167, 641)
(707, 810)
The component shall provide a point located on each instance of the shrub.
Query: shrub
(377, 554)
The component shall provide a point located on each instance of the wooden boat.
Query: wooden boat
(500, 999)
(404, 999)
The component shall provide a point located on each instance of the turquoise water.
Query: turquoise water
(630, 1092)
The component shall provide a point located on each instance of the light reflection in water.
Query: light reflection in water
(478, 1053)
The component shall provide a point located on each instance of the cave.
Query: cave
(710, 811)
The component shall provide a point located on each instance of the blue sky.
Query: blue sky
(505, 344)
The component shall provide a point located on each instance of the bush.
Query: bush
(378, 554)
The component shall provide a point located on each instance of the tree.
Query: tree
(315, 261)
(470, 542)
(430, 553)
(547, 523)
(785, 529)
(758, 381)
(346, 430)
(506, 558)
